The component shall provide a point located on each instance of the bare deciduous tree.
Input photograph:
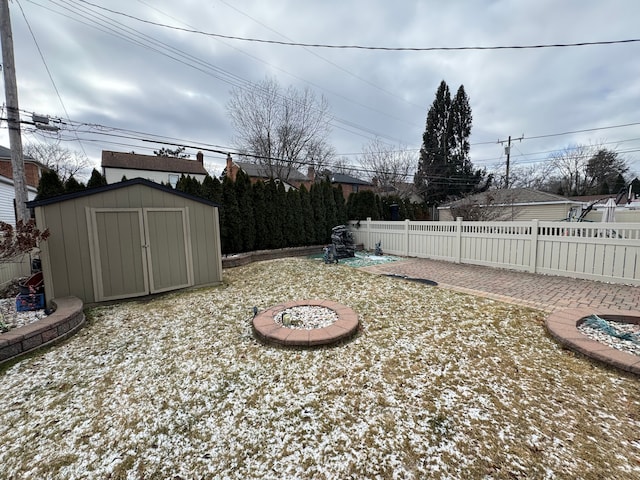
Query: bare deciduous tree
(282, 130)
(342, 165)
(389, 167)
(63, 161)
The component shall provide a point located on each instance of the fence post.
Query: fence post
(368, 244)
(406, 236)
(533, 253)
(458, 242)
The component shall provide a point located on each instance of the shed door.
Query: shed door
(139, 251)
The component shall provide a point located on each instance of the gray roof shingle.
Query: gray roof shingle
(154, 163)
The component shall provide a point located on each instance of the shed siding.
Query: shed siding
(66, 256)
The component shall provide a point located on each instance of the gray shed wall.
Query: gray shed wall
(66, 255)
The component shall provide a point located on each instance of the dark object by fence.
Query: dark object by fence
(31, 301)
(32, 284)
(342, 241)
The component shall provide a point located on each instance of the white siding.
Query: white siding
(7, 195)
(114, 175)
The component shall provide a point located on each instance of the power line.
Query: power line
(112, 27)
(55, 87)
(365, 47)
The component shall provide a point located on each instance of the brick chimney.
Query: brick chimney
(200, 157)
(230, 173)
(311, 173)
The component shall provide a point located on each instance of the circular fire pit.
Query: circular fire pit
(330, 322)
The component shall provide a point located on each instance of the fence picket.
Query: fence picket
(606, 252)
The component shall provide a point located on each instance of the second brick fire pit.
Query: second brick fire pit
(270, 326)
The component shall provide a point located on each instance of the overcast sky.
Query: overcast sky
(177, 86)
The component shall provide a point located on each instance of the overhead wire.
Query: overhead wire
(81, 128)
(368, 47)
(113, 27)
(46, 66)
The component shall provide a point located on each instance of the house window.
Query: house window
(173, 180)
(355, 188)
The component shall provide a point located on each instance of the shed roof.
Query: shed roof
(154, 163)
(117, 186)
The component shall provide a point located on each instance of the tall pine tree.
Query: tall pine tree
(445, 169)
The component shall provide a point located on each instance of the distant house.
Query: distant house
(515, 204)
(32, 169)
(291, 178)
(167, 170)
(7, 199)
(349, 183)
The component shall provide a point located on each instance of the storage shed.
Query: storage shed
(127, 239)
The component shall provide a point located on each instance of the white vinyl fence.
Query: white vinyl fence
(608, 252)
(20, 267)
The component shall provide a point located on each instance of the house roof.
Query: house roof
(512, 196)
(260, 171)
(5, 154)
(154, 163)
(343, 178)
(116, 186)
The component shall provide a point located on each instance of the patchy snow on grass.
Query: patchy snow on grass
(437, 384)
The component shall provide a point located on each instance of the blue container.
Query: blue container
(30, 301)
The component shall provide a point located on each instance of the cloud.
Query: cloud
(113, 70)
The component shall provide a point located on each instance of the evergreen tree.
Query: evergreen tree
(230, 229)
(273, 216)
(307, 216)
(245, 203)
(72, 185)
(329, 204)
(190, 185)
(281, 213)
(445, 169)
(322, 232)
(96, 179)
(294, 226)
(49, 185)
(341, 206)
(211, 189)
(260, 215)
(364, 204)
(619, 184)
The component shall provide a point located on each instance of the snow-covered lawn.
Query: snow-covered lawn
(436, 385)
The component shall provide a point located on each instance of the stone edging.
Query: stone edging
(62, 323)
(259, 255)
(563, 326)
(268, 331)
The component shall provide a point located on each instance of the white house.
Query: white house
(167, 170)
(7, 197)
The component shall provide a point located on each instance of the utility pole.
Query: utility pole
(507, 150)
(13, 113)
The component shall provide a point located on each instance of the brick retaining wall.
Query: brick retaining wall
(249, 257)
(64, 322)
